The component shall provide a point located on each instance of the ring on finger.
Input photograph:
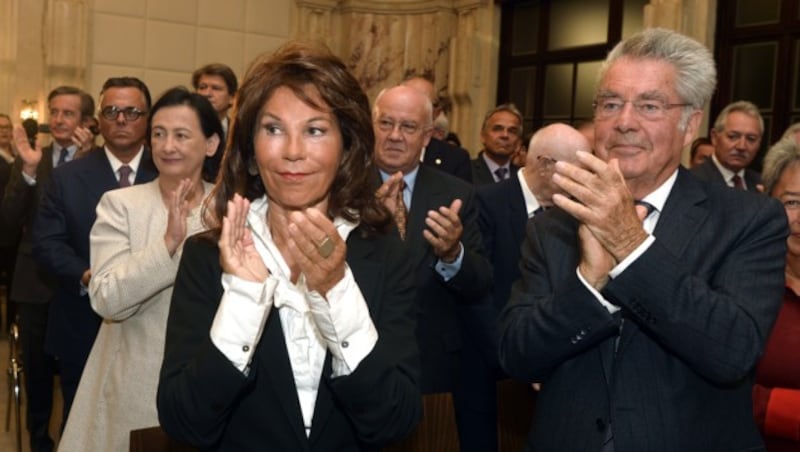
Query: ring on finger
(325, 246)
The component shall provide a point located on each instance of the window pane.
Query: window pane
(753, 73)
(585, 88)
(521, 91)
(796, 76)
(633, 17)
(577, 23)
(526, 29)
(756, 12)
(557, 91)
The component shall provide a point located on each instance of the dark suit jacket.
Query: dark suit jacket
(20, 202)
(205, 401)
(481, 174)
(448, 158)
(61, 244)
(697, 308)
(707, 171)
(439, 330)
(502, 221)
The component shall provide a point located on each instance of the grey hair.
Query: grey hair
(782, 154)
(693, 62)
(791, 130)
(507, 107)
(742, 106)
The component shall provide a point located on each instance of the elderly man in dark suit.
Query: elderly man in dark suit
(736, 138)
(67, 212)
(69, 109)
(436, 214)
(501, 133)
(646, 298)
(505, 208)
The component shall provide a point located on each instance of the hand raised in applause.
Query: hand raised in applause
(444, 231)
(237, 251)
(601, 200)
(30, 156)
(84, 139)
(323, 268)
(178, 207)
(387, 192)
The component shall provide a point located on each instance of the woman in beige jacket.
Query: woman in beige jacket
(136, 245)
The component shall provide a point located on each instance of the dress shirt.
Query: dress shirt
(446, 270)
(531, 203)
(311, 325)
(116, 163)
(657, 199)
(494, 166)
(728, 174)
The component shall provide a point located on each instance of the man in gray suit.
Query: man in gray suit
(70, 109)
(736, 137)
(646, 298)
(501, 133)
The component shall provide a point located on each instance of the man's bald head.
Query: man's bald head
(556, 142)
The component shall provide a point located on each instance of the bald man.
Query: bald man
(437, 153)
(504, 210)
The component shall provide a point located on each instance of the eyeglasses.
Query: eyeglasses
(609, 107)
(111, 113)
(406, 128)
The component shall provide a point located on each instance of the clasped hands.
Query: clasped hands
(611, 226)
(298, 236)
(444, 228)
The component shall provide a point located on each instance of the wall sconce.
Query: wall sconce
(29, 110)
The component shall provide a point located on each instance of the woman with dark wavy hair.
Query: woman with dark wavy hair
(292, 322)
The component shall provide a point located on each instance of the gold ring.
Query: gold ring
(325, 247)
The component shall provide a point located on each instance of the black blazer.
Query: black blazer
(439, 330)
(697, 307)
(448, 158)
(20, 202)
(61, 244)
(481, 174)
(707, 171)
(205, 401)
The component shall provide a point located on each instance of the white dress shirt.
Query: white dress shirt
(311, 325)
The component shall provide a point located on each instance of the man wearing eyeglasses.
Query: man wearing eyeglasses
(32, 287)
(646, 298)
(67, 212)
(736, 137)
(436, 216)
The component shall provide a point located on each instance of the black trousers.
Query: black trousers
(39, 370)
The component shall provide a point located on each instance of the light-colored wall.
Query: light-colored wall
(46, 43)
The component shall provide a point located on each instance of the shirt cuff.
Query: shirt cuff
(240, 317)
(616, 271)
(31, 181)
(597, 295)
(345, 324)
(448, 271)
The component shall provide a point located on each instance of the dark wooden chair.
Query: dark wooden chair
(153, 439)
(436, 431)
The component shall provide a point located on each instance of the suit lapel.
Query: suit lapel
(97, 177)
(519, 213)
(677, 224)
(426, 190)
